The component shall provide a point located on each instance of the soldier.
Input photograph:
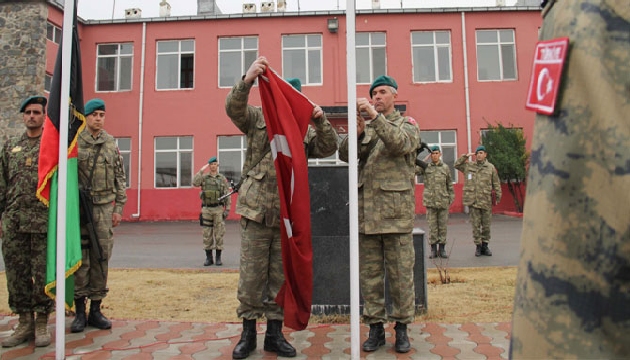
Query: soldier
(438, 195)
(261, 272)
(481, 178)
(572, 288)
(387, 151)
(213, 213)
(24, 228)
(102, 178)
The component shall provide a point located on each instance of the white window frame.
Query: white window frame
(124, 152)
(47, 82)
(307, 48)
(436, 46)
(225, 152)
(179, 54)
(443, 144)
(179, 151)
(53, 32)
(501, 61)
(372, 46)
(244, 58)
(118, 57)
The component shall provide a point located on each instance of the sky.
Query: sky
(108, 9)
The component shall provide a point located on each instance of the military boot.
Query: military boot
(219, 262)
(208, 261)
(24, 331)
(478, 250)
(275, 341)
(247, 344)
(442, 251)
(42, 336)
(80, 321)
(376, 338)
(433, 251)
(96, 318)
(485, 250)
(402, 344)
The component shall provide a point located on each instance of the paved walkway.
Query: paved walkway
(184, 340)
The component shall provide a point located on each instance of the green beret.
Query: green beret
(212, 160)
(383, 80)
(93, 105)
(296, 83)
(434, 148)
(480, 148)
(37, 99)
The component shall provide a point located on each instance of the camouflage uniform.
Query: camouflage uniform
(109, 196)
(387, 151)
(213, 187)
(24, 226)
(438, 195)
(481, 178)
(573, 289)
(261, 273)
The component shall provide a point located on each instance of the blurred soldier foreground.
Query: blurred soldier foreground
(573, 285)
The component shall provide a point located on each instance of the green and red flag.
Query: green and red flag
(47, 186)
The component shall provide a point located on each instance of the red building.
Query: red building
(165, 80)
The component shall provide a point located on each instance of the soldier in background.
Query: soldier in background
(24, 228)
(437, 197)
(573, 288)
(213, 213)
(261, 273)
(480, 179)
(387, 151)
(102, 175)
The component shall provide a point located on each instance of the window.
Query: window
(302, 58)
(371, 56)
(232, 156)
(173, 162)
(496, 55)
(175, 64)
(53, 33)
(431, 56)
(332, 159)
(113, 67)
(446, 140)
(235, 57)
(47, 82)
(124, 147)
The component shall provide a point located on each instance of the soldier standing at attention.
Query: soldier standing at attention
(102, 175)
(213, 213)
(387, 151)
(573, 285)
(481, 178)
(438, 195)
(261, 273)
(24, 228)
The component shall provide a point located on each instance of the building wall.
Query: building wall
(144, 112)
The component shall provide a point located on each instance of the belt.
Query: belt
(211, 205)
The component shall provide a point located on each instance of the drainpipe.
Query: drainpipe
(466, 90)
(140, 114)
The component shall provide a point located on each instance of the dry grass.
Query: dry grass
(474, 294)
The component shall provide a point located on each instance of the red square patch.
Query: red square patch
(546, 74)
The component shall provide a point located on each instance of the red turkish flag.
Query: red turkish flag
(287, 114)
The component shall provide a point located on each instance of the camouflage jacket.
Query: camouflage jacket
(438, 186)
(258, 198)
(387, 152)
(209, 182)
(21, 210)
(109, 181)
(480, 179)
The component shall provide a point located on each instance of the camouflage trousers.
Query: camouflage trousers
(91, 278)
(437, 220)
(481, 220)
(261, 274)
(390, 255)
(25, 264)
(213, 235)
(573, 283)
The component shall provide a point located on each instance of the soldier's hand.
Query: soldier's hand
(116, 219)
(255, 69)
(318, 114)
(470, 154)
(360, 125)
(225, 214)
(203, 168)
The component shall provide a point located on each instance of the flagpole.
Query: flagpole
(64, 108)
(353, 180)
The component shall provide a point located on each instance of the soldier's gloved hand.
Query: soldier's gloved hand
(225, 214)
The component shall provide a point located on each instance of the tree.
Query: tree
(506, 151)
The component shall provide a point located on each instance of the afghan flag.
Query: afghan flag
(47, 186)
(287, 113)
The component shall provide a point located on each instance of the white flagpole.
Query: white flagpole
(62, 172)
(353, 180)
